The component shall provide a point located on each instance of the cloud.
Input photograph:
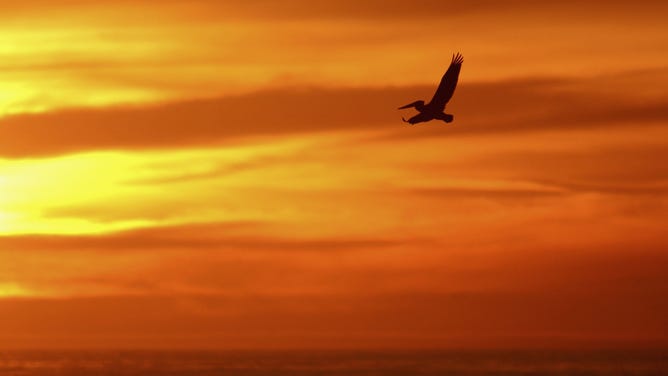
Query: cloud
(395, 9)
(217, 170)
(348, 9)
(510, 106)
(203, 122)
(622, 169)
(401, 320)
(216, 237)
(495, 194)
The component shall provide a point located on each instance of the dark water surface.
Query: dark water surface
(247, 363)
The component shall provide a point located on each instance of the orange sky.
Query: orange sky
(207, 175)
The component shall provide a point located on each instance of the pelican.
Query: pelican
(435, 108)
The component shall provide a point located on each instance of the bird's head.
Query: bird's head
(416, 104)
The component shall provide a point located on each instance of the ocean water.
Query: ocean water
(303, 363)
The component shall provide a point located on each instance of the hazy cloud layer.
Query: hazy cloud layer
(533, 105)
(215, 237)
(367, 9)
(592, 309)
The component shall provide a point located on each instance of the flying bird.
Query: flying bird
(435, 109)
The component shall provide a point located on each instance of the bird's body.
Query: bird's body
(435, 108)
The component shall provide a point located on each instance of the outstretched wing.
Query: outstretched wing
(448, 83)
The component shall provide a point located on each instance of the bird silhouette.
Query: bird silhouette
(435, 108)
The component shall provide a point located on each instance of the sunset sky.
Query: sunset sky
(235, 174)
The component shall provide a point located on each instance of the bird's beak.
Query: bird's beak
(407, 106)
